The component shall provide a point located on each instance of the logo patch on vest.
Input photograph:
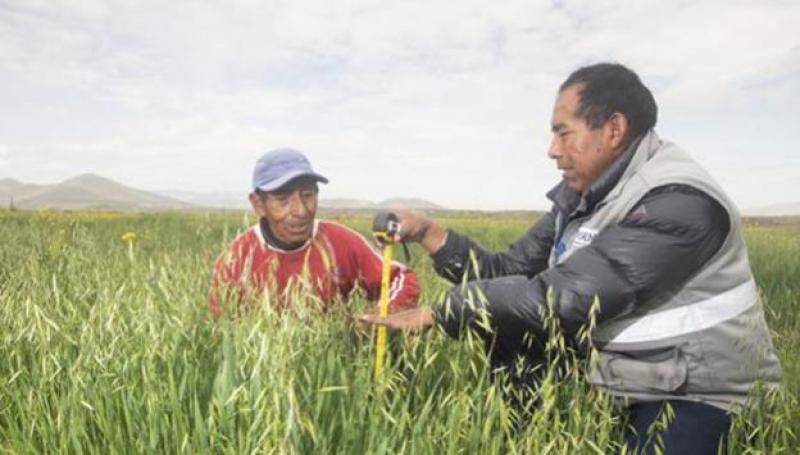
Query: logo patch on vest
(583, 237)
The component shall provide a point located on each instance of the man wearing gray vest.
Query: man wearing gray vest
(640, 228)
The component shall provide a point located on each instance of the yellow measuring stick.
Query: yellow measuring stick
(384, 228)
(380, 341)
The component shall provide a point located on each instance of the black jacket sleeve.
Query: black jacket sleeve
(666, 238)
(461, 258)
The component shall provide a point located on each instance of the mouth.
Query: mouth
(301, 228)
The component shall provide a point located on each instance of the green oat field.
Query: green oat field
(106, 346)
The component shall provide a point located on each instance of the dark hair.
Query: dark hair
(608, 88)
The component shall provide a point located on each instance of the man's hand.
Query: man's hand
(419, 228)
(360, 323)
(413, 319)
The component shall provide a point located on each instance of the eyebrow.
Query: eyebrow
(557, 127)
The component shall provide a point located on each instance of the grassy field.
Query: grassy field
(106, 347)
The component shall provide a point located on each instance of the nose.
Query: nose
(553, 152)
(298, 206)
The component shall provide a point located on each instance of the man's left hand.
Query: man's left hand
(413, 319)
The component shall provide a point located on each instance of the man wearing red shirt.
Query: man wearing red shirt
(290, 253)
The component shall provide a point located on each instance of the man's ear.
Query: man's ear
(257, 204)
(616, 130)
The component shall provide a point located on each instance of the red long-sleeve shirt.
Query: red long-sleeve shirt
(332, 263)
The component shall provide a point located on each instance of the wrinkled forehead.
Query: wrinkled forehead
(568, 100)
(566, 106)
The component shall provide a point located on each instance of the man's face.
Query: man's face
(582, 153)
(289, 211)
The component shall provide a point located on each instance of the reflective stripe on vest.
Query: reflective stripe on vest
(683, 320)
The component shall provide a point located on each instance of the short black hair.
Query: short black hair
(607, 88)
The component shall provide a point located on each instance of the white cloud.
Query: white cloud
(445, 100)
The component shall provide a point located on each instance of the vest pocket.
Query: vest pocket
(664, 370)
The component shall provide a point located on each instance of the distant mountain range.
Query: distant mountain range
(84, 192)
(93, 192)
(238, 200)
(392, 203)
(218, 200)
(786, 209)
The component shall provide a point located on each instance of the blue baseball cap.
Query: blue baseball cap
(277, 167)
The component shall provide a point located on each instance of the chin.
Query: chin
(299, 238)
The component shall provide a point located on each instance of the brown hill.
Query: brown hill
(84, 192)
(785, 209)
(409, 203)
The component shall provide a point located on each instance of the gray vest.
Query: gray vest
(706, 342)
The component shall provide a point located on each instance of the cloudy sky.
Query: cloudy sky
(445, 100)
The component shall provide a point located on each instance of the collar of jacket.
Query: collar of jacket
(569, 201)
